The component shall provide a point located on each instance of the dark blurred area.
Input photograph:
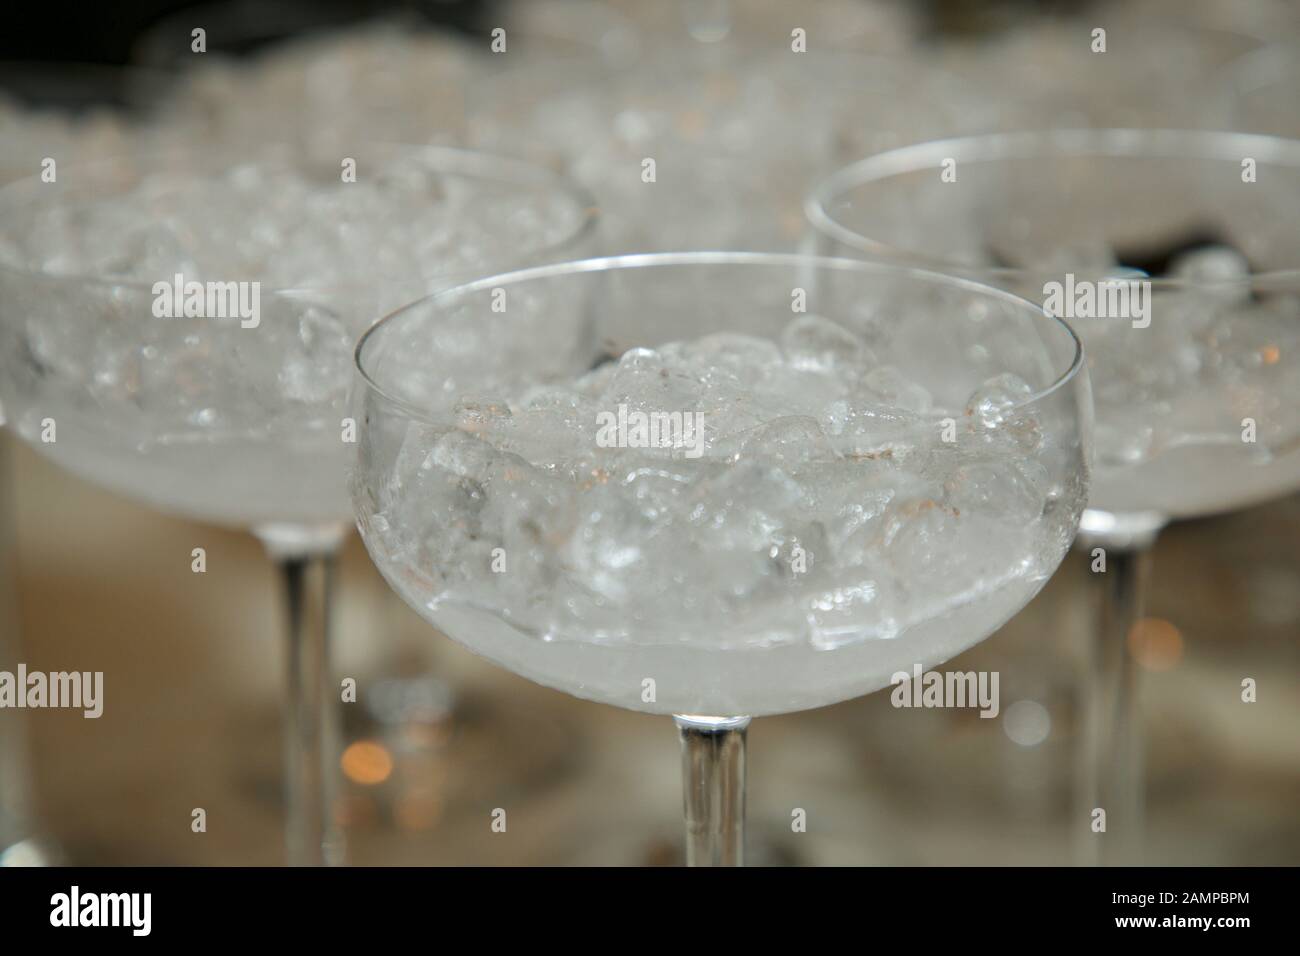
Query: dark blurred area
(108, 33)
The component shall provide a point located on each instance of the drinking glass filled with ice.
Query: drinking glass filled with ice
(719, 484)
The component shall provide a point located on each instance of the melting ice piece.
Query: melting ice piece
(839, 615)
(816, 344)
(1004, 490)
(315, 358)
(790, 441)
(892, 387)
(747, 359)
(464, 456)
(991, 403)
(875, 432)
(649, 381)
(478, 416)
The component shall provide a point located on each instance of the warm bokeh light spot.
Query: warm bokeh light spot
(1270, 354)
(1156, 644)
(367, 762)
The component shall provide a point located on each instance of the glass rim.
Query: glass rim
(1101, 142)
(710, 258)
(448, 160)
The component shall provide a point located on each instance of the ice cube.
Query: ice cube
(605, 549)
(816, 344)
(529, 514)
(463, 455)
(644, 381)
(1001, 490)
(991, 404)
(862, 610)
(788, 442)
(481, 415)
(891, 386)
(870, 432)
(314, 362)
(746, 359)
(846, 498)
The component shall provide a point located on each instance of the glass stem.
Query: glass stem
(311, 734)
(1113, 772)
(713, 777)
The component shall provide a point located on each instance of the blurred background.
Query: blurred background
(193, 664)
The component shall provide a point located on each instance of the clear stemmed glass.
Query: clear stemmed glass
(241, 419)
(1195, 398)
(873, 467)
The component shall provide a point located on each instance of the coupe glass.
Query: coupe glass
(235, 423)
(887, 464)
(1195, 401)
